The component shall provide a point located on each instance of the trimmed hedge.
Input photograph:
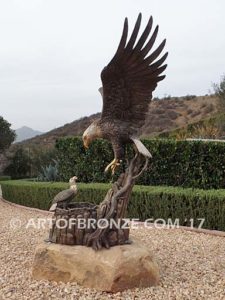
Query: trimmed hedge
(146, 202)
(4, 177)
(195, 164)
(40, 194)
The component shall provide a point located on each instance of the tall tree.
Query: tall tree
(7, 135)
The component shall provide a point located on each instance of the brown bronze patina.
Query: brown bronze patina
(128, 82)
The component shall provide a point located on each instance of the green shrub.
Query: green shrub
(146, 202)
(20, 165)
(49, 173)
(41, 158)
(29, 161)
(7, 135)
(87, 165)
(220, 92)
(189, 97)
(4, 178)
(175, 163)
(212, 127)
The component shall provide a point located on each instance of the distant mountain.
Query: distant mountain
(25, 133)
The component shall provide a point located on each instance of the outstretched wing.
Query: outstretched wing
(131, 76)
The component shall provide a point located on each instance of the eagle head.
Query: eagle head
(91, 133)
(73, 180)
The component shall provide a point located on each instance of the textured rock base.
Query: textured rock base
(119, 268)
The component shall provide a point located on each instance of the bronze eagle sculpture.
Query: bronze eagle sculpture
(127, 85)
(62, 199)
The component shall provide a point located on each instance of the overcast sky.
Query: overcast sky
(52, 53)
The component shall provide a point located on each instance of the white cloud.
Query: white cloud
(52, 53)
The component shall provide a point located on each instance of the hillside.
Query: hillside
(25, 133)
(212, 127)
(164, 115)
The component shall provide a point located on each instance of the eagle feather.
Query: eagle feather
(127, 85)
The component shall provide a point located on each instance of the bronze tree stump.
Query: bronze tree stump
(101, 225)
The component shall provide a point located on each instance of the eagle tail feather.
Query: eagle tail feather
(141, 148)
(53, 207)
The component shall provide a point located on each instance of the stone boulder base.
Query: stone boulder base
(119, 268)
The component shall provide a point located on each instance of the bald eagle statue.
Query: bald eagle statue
(62, 199)
(127, 85)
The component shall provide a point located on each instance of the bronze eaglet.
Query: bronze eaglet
(127, 85)
(62, 199)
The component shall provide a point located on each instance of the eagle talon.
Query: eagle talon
(113, 165)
